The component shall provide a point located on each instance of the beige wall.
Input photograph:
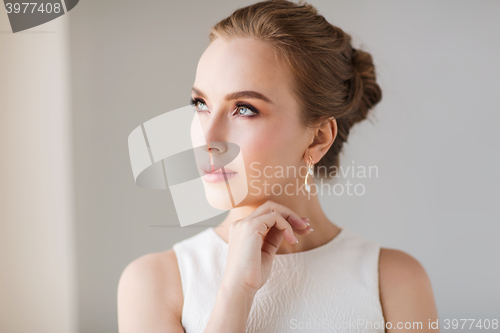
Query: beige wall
(37, 248)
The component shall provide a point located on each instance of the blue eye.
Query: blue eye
(242, 109)
(246, 110)
(196, 102)
(250, 112)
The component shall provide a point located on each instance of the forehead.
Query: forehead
(241, 64)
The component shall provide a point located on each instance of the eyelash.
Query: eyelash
(195, 101)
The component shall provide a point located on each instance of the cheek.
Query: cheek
(270, 148)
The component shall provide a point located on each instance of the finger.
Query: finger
(270, 206)
(273, 219)
(303, 232)
(272, 241)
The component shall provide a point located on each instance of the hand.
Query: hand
(254, 241)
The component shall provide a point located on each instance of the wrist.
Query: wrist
(231, 310)
(230, 288)
(236, 295)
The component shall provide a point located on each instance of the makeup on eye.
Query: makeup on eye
(238, 105)
(194, 102)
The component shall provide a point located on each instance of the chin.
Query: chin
(226, 195)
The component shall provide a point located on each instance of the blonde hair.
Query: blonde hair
(329, 77)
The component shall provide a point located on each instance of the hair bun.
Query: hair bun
(365, 79)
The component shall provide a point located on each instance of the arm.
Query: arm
(405, 292)
(231, 310)
(253, 243)
(150, 295)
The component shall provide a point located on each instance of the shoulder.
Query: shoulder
(397, 266)
(157, 268)
(150, 292)
(405, 289)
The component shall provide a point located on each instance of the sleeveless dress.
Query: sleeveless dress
(331, 288)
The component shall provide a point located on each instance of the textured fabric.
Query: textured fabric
(332, 288)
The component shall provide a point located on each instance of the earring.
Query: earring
(309, 172)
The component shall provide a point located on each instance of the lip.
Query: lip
(218, 175)
(209, 168)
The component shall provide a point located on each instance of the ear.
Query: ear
(323, 138)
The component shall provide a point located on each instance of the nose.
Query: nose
(217, 146)
(214, 127)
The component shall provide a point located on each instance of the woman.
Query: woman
(300, 86)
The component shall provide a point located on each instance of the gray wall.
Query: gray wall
(433, 138)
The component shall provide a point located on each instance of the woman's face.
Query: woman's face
(264, 122)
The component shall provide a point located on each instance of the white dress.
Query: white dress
(331, 288)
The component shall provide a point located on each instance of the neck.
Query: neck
(305, 206)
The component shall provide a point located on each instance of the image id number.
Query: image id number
(32, 7)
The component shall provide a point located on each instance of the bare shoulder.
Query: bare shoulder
(150, 294)
(405, 291)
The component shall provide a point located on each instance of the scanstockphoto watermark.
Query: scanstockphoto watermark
(359, 324)
(356, 187)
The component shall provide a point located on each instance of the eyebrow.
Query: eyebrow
(239, 94)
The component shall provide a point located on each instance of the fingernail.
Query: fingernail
(296, 240)
(305, 220)
(310, 229)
